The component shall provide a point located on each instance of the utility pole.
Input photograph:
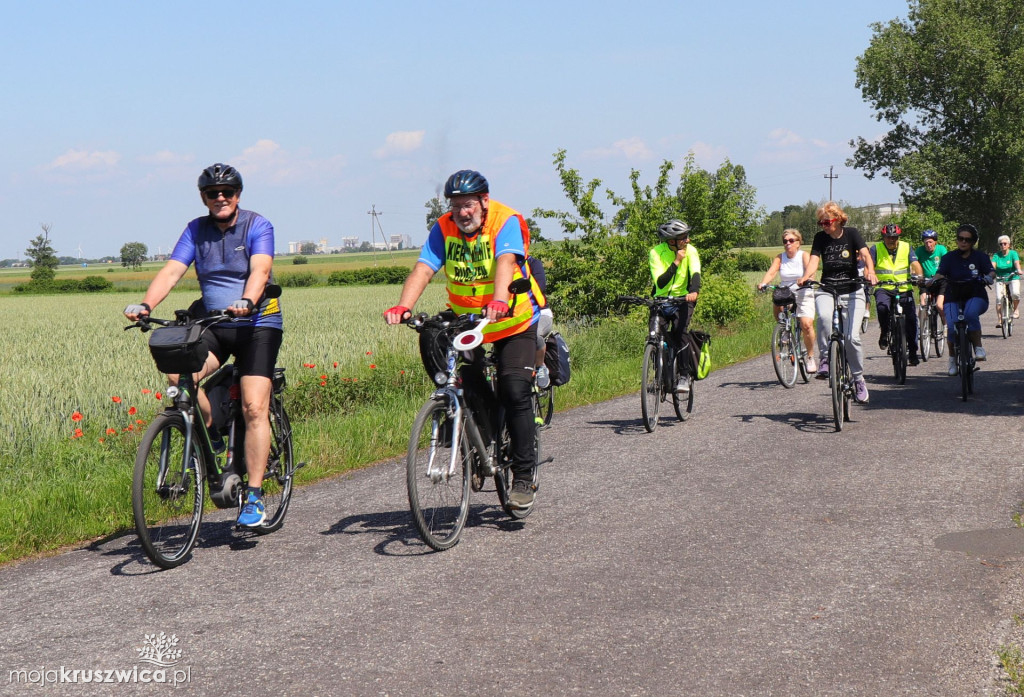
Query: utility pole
(375, 220)
(830, 177)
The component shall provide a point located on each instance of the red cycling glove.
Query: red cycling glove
(499, 307)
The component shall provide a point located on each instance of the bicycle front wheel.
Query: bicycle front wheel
(783, 356)
(835, 382)
(924, 339)
(277, 480)
(964, 362)
(898, 346)
(938, 332)
(438, 476)
(651, 387)
(168, 489)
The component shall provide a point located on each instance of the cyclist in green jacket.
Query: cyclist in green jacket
(928, 255)
(675, 270)
(1007, 263)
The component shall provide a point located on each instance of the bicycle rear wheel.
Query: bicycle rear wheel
(801, 353)
(168, 489)
(278, 479)
(544, 405)
(651, 387)
(683, 403)
(835, 382)
(1004, 307)
(503, 477)
(783, 356)
(437, 476)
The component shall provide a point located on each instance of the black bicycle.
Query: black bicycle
(177, 458)
(840, 378)
(1005, 304)
(962, 348)
(931, 325)
(457, 444)
(661, 374)
(898, 350)
(789, 355)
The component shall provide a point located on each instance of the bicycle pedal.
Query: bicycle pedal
(301, 465)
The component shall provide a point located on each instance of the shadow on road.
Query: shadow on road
(996, 392)
(801, 421)
(762, 385)
(136, 563)
(399, 535)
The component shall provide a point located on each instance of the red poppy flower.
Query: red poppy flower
(369, 353)
(140, 422)
(323, 383)
(323, 377)
(78, 433)
(131, 411)
(146, 390)
(76, 416)
(373, 366)
(401, 372)
(158, 395)
(111, 431)
(103, 440)
(335, 364)
(115, 399)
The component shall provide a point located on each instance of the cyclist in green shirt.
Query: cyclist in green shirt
(675, 270)
(929, 254)
(1007, 263)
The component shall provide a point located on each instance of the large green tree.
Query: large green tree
(949, 80)
(133, 254)
(436, 207)
(43, 256)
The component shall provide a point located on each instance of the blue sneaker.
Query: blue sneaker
(253, 512)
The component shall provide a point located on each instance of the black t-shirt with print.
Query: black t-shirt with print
(839, 256)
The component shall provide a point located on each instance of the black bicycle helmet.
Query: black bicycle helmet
(967, 227)
(892, 230)
(673, 230)
(465, 182)
(929, 234)
(220, 175)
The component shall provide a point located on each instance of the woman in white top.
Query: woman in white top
(790, 266)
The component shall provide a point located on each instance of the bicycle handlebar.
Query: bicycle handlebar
(650, 302)
(181, 317)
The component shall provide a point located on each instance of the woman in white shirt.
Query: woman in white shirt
(790, 266)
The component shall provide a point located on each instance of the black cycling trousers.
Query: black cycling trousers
(883, 305)
(515, 357)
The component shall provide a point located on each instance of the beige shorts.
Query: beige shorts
(805, 302)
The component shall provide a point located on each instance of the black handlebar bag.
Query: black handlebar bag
(178, 349)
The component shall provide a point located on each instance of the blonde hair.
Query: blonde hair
(795, 233)
(832, 210)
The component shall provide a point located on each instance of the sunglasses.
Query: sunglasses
(214, 194)
(790, 241)
(964, 239)
(824, 223)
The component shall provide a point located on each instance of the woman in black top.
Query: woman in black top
(837, 249)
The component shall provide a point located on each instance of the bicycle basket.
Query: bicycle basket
(177, 349)
(434, 343)
(783, 296)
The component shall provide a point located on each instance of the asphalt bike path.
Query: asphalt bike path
(749, 551)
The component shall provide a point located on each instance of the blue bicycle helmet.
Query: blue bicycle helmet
(929, 234)
(220, 175)
(466, 182)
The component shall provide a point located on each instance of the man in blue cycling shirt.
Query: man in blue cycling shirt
(233, 250)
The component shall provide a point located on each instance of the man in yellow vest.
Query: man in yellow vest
(482, 245)
(894, 262)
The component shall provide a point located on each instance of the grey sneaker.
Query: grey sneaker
(543, 377)
(860, 390)
(683, 386)
(522, 494)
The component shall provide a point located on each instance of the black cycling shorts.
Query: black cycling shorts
(255, 348)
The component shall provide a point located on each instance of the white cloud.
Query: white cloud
(633, 149)
(269, 161)
(783, 138)
(709, 156)
(400, 143)
(83, 160)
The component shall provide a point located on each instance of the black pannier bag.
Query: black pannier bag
(784, 296)
(177, 349)
(556, 358)
(434, 343)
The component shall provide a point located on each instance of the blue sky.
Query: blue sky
(111, 109)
